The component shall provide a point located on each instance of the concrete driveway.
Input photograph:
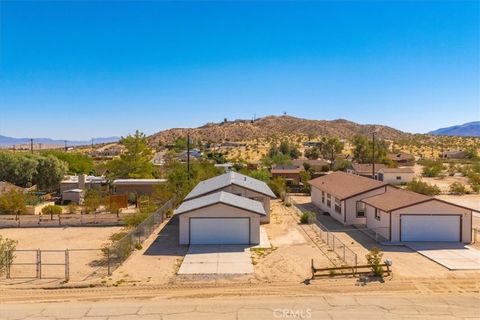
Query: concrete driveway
(217, 259)
(454, 256)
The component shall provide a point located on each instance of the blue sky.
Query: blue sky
(77, 69)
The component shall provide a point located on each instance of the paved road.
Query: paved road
(322, 307)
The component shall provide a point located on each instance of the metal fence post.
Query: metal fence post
(108, 262)
(8, 256)
(67, 266)
(39, 264)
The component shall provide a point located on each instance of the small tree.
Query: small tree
(72, 207)
(278, 186)
(51, 210)
(6, 257)
(374, 260)
(13, 202)
(92, 200)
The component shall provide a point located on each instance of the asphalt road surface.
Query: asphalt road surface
(403, 306)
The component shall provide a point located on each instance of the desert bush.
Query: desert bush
(135, 219)
(278, 186)
(72, 207)
(308, 217)
(13, 202)
(432, 168)
(457, 188)
(423, 187)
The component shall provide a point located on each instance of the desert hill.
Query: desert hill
(276, 126)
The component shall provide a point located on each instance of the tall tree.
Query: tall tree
(135, 162)
(363, 150)
(50, 171)
(330, 148)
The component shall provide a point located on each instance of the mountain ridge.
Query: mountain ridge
(6, 141)
(464, 130)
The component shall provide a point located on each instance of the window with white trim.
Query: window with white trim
(360, 209)
(377, 214)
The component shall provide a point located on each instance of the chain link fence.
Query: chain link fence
(119, 251)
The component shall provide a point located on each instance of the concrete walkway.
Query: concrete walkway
(258, 308)
(452, 255)
(217, 259)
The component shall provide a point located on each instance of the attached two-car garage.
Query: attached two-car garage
(430, 227)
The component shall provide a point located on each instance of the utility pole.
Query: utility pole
(65, 145)
(92, 144)
(39, 147)
(373, 155)
(14, 148)
(188, 155)
(31, 145)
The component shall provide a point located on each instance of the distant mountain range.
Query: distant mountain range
(9, 141)
(470, 129)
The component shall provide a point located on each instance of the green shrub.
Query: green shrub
(374, 260)
(457, 188)
(13, 202)
(51, 210)
(5, 246)
(135, 219)
(307, 217)
(423, 188)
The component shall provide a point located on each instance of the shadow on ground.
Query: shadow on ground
(166, 242)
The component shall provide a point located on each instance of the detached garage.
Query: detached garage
(404, 216)
(220, 218)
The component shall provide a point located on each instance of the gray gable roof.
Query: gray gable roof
(229, 178)
(222, 197)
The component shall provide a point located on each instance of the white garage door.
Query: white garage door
(430, 228)
(219, 231)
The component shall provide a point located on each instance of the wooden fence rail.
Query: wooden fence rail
(351, 270)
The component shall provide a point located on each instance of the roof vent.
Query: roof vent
(245, 178)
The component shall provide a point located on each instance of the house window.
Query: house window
(360, 209)
(399, 178)
(329, 196)
(329, 203)
(377, 214)
(338, 207)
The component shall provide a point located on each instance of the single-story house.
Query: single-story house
(454, 154)
(82, 182)
(220, 218)
(238, 184)
(6, 187)
(365, 169)
(73, 196)
(340, 194)
(402, 158)
(317, 165)
(395, 175)
(136, 186)
(400, 215)
(291, 174)
(226, 167)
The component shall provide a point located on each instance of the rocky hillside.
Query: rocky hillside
(279, 126)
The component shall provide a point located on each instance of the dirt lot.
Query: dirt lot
(83, 264)
(442, 183)
(288, 260)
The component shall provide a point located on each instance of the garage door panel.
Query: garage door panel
(430, 228)
(219, 230)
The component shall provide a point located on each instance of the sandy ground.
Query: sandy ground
(442, 183)
(289, 259)
(83, 264)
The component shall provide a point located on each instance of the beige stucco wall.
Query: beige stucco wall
(265, 200)
(219, 211)
(316, 195)
(434, 207)
(348, 207)
(351, 206)
(381, 226)
(391, 178)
